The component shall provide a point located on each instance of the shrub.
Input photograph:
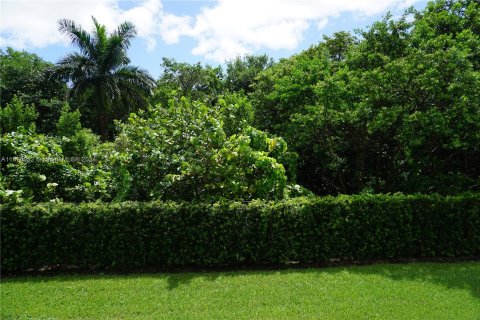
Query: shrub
(17, 116)
(161, 235)
(34, 167)
(182, 153)
(75, 140)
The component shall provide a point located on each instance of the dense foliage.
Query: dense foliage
(17, 116)
(25, 76)
(242, 72)
(187, 151)
(393, 108)
(183, 153)
(396, 109)
(37, 167)
(155, 234)
(193, 81)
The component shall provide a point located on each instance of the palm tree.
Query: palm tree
(100, 72)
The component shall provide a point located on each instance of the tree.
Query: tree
(287, 86)
(17, 116)
(242, 71)
(100, 73)
(193, 81)
(24, 75)
(397, 110)
(74, 140)
(339, 44)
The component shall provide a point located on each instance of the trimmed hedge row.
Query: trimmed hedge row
(158, 235)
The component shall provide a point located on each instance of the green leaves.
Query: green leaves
(36, 168)
(193, 81)
(241, 73)
(391, 111)
(183, 153)
(132, 235)
(17, 116)
(102, 79)
(68, 123)
(25, 75)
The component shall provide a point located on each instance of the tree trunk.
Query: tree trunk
(102, 126)
(102, 115)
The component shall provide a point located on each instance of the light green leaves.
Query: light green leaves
(184, 153)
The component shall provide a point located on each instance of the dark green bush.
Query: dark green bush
(158, 235)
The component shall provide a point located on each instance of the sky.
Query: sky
(207, 31)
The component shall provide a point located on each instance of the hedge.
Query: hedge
(134, 235)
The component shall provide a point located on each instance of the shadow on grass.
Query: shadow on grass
(464, 276)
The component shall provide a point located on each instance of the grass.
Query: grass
(384, 291)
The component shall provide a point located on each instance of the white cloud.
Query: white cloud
(233, 27)
(173, 26)
(322, 23)
(27, 23)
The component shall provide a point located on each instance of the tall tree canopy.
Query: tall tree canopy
(100, 72)
(242, 71)
(193, 81)
(396, 109)
(24, 75)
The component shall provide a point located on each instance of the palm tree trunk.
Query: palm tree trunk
(102, 125)
(102, 115)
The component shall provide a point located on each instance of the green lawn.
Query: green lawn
(403, 291)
